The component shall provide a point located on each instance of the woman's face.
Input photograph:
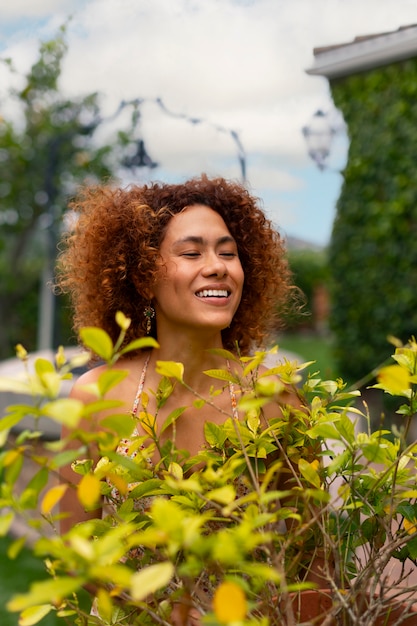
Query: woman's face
(201, 280)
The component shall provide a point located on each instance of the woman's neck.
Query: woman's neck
(194, 353)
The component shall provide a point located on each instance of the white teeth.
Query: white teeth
(217, 293)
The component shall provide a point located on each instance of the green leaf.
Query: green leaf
(219, 374)
(253, 422)
(171, 369)
(98, 341)
(248, 403)
(14, 385)
(325, 431)
(110, 379)
(29, 497)
(269, 386)
(149, 487)
(123, 424)
(115, 574)
(51, 383)
(412, 548)
(79, 360)
(346, 428)
(43, 366)
(6, 521)
(46, 591)
(15, 414)
(223, 495)
(150, 579)
(99, 406)
(140, 344)
(259, 570)
(214, 435)
(68, 411)
(16, 547)
(13, 469)
(163, 392)
(172, 417)
(34, 614)
(309, 472)
(225, 354)
(4, 435)
(338, 462)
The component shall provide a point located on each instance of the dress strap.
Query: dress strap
(233, 396)
(141, 385)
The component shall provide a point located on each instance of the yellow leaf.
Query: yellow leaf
(34, 614)
(120, 484)
(223, 495)
(88, 491)
(51, 498)
(122, 321)
(394, 379)
(60, 358)
(148, 422)
(175, 470)
(21, 352)
(11, 456)
(170, 369)
(229, 603)
(410, 527)
(104, 605)
(309, 472)
(66, 411)
(150, 579)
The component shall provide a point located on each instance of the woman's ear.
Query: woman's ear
(145, 292)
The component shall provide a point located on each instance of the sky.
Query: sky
(236, 66)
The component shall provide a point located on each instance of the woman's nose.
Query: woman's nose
(215, 266)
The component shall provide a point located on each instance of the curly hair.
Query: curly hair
(109, 261)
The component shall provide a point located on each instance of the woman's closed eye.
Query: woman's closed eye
(229, 255)
(191, 254)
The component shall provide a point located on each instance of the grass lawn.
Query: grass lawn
(311, 347)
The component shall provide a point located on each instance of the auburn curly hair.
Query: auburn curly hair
(109, 260)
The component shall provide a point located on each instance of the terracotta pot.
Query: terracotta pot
(315, 605)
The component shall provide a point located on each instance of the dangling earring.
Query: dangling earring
(149, 313)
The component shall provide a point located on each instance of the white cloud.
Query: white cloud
(18, 9)
(236, 64)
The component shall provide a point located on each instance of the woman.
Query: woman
(197, 266)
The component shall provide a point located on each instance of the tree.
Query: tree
(373, 251)
(46, 150)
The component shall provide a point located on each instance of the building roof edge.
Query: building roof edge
(365, 53)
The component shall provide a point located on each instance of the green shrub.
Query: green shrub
(310, 272)
(373, 251)
(223, 521)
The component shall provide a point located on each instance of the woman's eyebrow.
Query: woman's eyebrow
(202, 241)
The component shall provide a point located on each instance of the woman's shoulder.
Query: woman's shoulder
(132, 366)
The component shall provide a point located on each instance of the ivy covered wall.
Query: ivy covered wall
(373, 250)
